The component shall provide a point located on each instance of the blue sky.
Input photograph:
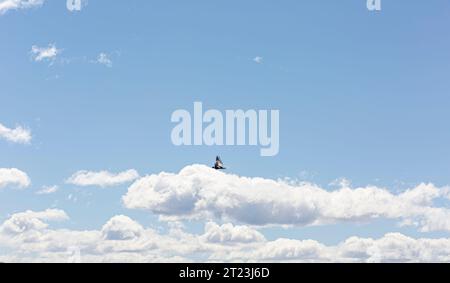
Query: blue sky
(362, 95)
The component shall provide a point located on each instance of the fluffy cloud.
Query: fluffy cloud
(201, 192)
(102, 179)
(13, 177)
(6, 5)
(122, 228)
(27, 238)
(228, 233)
(17, 135)
(122, 234)
(48, 53)
(31, 221)
(393, 247)
(281, 250)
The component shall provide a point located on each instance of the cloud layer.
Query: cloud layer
(16, 135)
(13, 177)
(29, 238)
(102, 179)
(199, 192)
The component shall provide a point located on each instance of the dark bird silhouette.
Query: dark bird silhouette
(219, 164)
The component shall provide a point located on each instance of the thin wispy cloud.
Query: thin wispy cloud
(104, 59)
(48, 53)
(15, 135)
(47, 190)
(258, 60)
(102, 179)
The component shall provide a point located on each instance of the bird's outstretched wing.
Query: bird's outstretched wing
(219, 162)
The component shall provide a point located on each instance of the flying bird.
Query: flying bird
(219, 164)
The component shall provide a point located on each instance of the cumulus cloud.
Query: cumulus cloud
(48, 53)
(122, 234)
(31, 221)
(282, 250)
(391, 248)
(199, 192)
(13, 177)
(6, 5)
(28, 238)
(102, 179)
(228, 233)
(47, 190)
(16, 135)
(122, 228)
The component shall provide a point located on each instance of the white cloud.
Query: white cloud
(28, 238)
(13, 177)
(258, 60)
(199, 192)
(393, 247)
(49, 53)
(104, 59)
(228, 233)
(102, 179)
(6, 5)
(47, 190)
(122, 228)
(17, 135)
(27, 221)
(282, 250)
